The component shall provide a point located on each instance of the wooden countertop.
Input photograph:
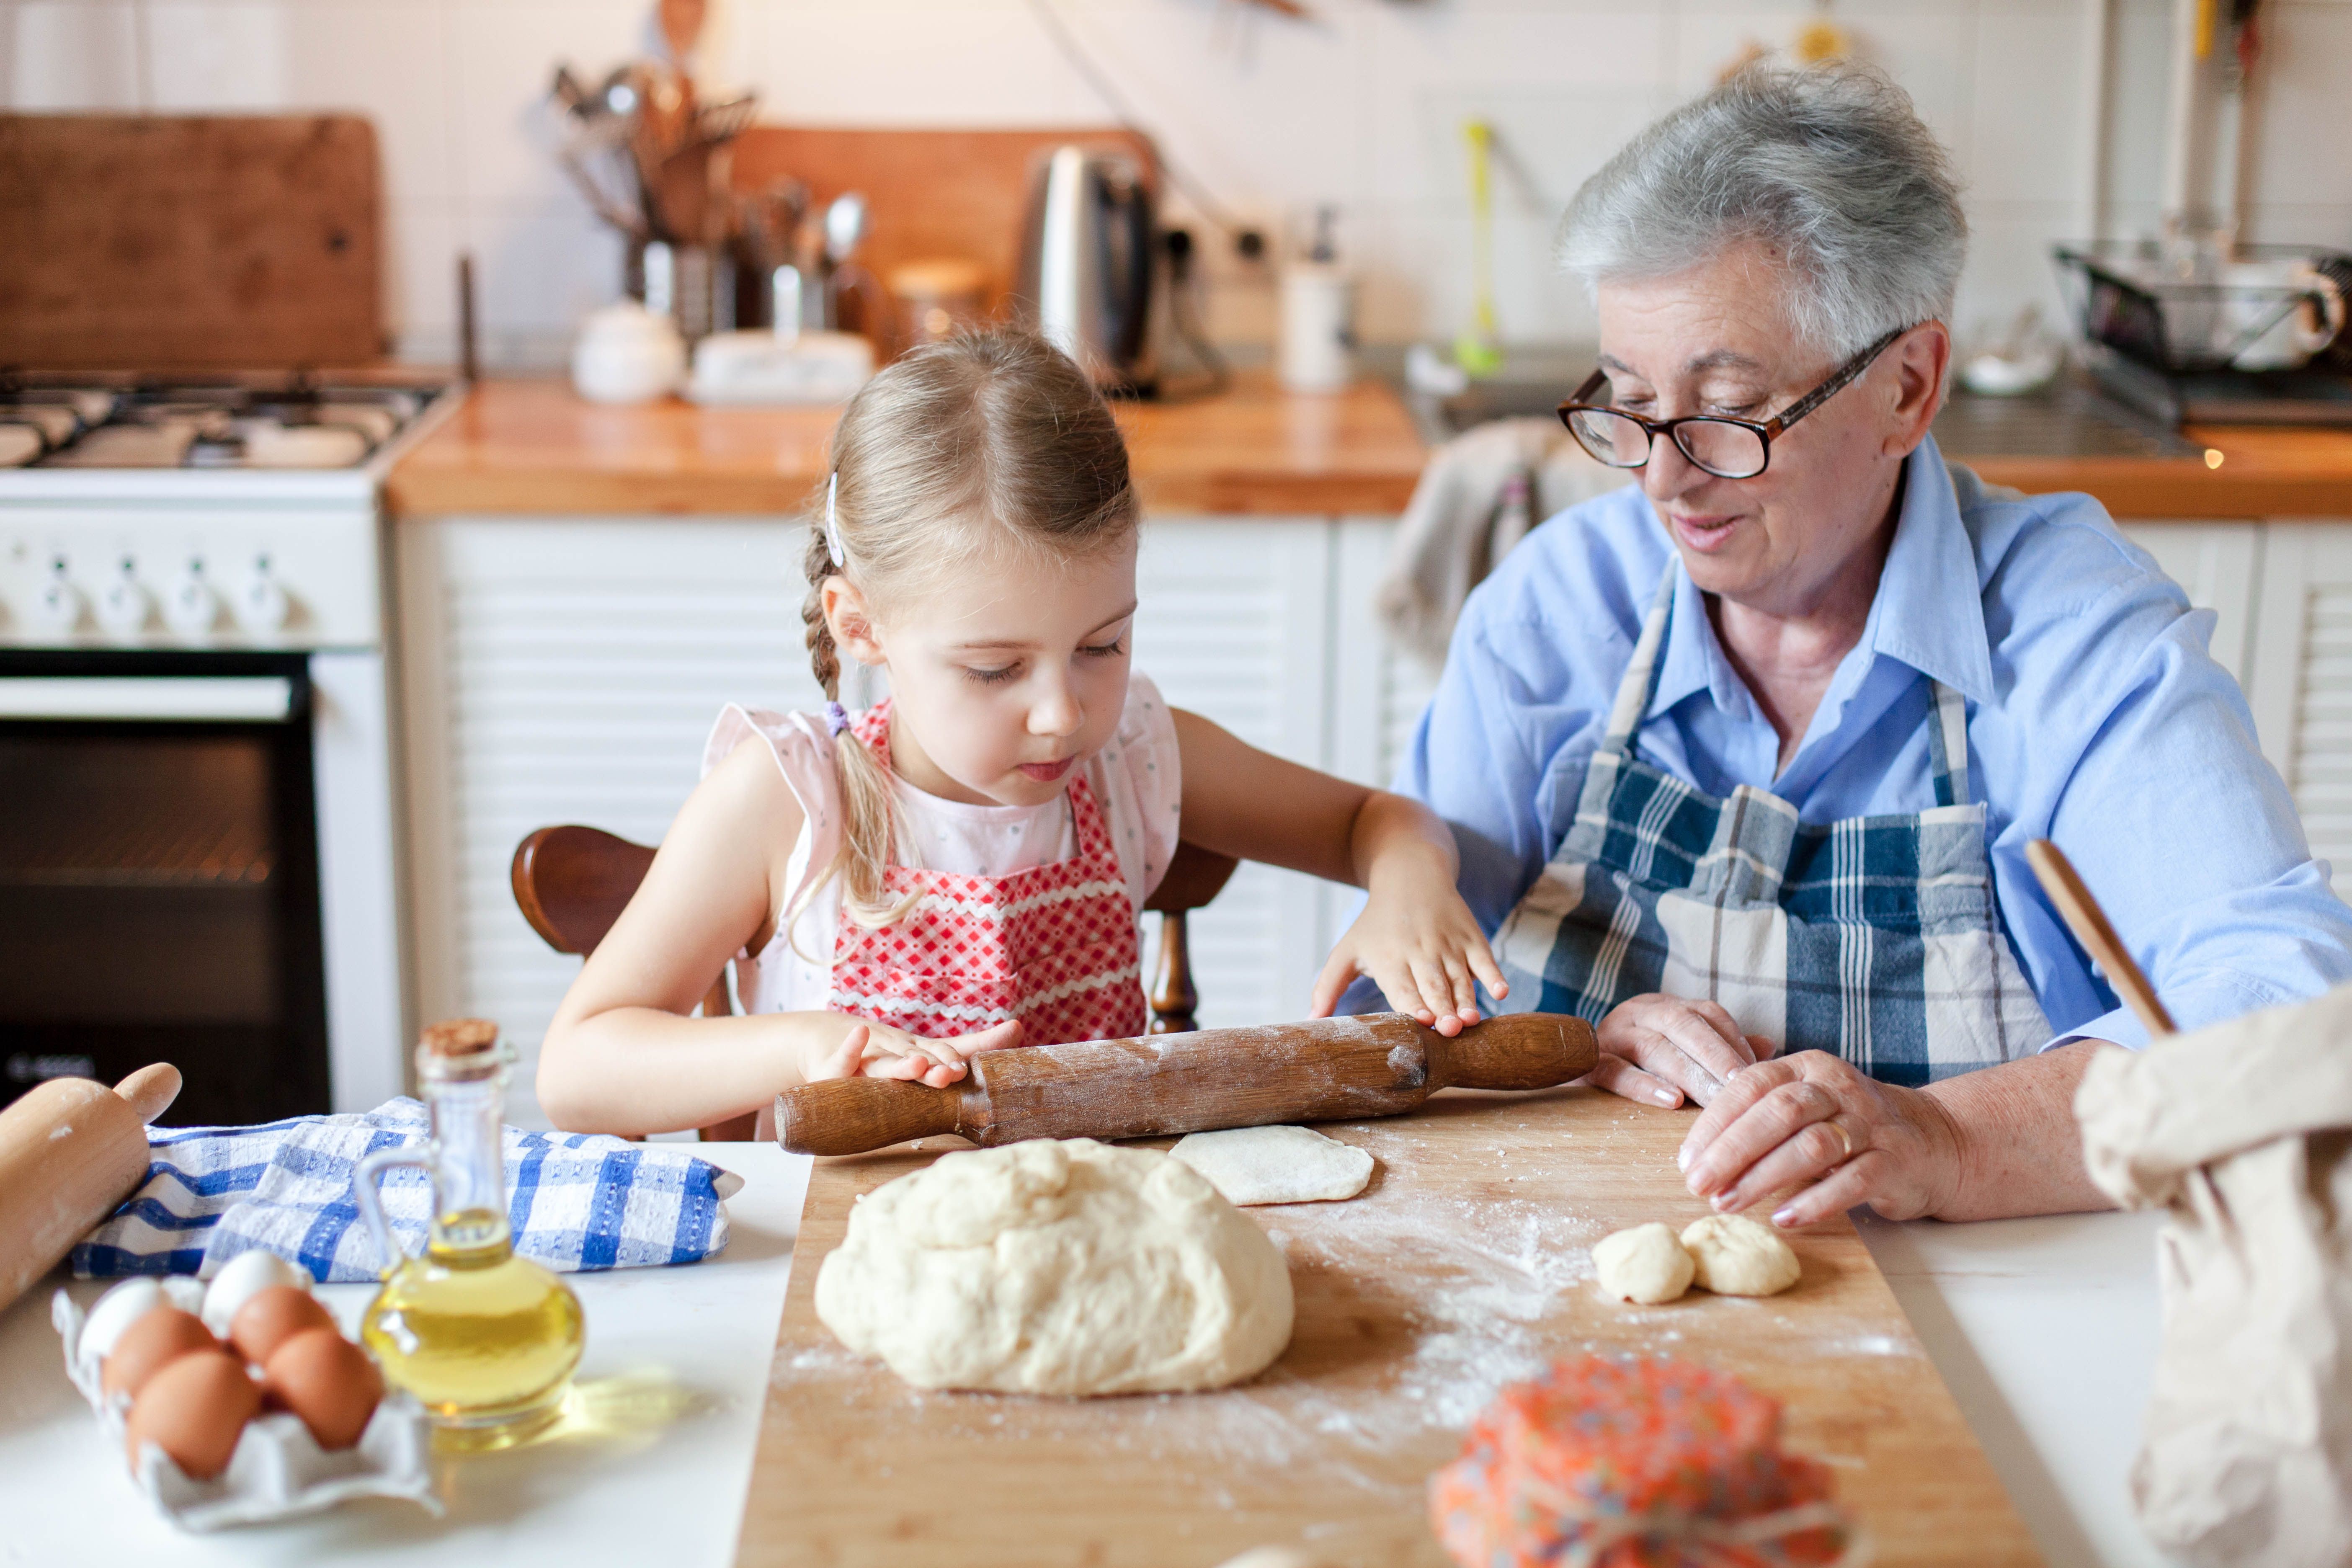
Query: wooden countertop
(532, 448)
(1464, 1267)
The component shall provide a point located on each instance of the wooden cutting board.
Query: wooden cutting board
(189, 242)
(1464, 1267)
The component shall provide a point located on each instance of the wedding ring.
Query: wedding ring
(1845, 1139)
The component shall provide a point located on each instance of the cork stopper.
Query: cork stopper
(458, 1038)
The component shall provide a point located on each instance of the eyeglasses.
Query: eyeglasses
(1727, 448)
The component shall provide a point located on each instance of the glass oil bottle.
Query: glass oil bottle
(485, 1340)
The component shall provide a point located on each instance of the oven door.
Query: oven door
(159, 878)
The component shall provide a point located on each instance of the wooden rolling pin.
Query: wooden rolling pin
(70, 1151)
(1329, 1069)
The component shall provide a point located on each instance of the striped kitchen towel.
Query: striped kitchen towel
(579, 1201)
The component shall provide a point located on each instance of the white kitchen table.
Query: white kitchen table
(2045, 1329)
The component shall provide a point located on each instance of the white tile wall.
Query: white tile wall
(1362, 107)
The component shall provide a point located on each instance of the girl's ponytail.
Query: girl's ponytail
(869, 812)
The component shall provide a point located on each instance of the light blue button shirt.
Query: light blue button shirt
(2097, 719)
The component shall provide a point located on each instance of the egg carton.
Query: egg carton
(278, 1470)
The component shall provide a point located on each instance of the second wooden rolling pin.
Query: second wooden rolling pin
(1328, 1069)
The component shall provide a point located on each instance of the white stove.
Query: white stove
(194, 709)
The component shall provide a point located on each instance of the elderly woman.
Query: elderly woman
(1743, 761)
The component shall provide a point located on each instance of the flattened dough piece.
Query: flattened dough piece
(1277, 1165)
(1645, 1264)
(1736, 1256)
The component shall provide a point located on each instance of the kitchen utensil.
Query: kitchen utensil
(681, 26)
(2089, 923)
(1312, 1071)
(844, 226)
(1462, 1268)
(2267, 308)
(70, 1151)
(1477, 351)
(1088, 264)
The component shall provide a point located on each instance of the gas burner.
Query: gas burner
(151, 423)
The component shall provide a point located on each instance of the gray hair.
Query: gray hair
(1829, 166)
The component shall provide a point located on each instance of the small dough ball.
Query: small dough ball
(1645, 1264)
(1277, 1165)
(1064, 1268)
(1737, 1257)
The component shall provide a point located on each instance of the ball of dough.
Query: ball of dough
(1058, 1268)
(1645, 1264)
(1737, 1257)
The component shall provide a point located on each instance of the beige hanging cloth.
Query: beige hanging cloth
(1480, 494)
(2244, 1133)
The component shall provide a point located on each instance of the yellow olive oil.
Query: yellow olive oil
(487, 1341)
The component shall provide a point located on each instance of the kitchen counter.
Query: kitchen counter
(533, 448)
(2044, 1329)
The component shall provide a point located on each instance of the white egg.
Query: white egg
(115, 1312)
(184, 1291)
(240, 1280)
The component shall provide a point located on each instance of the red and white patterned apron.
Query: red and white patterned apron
(1053, 946)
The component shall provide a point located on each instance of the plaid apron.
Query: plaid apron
(1875, 937)
(1053, 946)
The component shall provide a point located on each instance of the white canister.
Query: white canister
(626, 353)
(1319, 327)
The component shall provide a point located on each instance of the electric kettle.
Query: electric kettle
(1088, 254)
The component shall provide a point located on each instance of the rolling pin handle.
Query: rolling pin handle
(1516, 1050)
(151, 1090)
(853, 1115)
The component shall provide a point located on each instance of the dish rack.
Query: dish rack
(2174, 316)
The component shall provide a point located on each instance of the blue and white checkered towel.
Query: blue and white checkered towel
(580, 1202)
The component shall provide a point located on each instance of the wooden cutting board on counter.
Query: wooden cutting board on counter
(1464, 1267)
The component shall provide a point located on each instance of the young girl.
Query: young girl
(959, 868)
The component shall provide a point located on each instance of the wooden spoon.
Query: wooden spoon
(2089, 924)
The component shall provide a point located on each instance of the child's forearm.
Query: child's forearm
(1395, 836)
(635, 1070)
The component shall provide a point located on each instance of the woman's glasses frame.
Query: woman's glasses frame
(1766, 432)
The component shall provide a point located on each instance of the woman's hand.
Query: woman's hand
(1419, 943)
(1657, 1048)
(1816, 1123)
(876, 1050)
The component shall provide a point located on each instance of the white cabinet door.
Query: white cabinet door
(1235, 625)
(567, 671)
(1381, 688)
(2221, 566)
(2301, 688)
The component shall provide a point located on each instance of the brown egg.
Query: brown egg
(327, 1380)
(162, 1335)
(194, 1409)
(271, 1317)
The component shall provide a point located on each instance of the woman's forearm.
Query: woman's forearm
(635, 1070)
(2019, 1149)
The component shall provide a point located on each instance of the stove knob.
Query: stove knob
(56, 608)
(190, 607)
(123, 605)
(260, 605)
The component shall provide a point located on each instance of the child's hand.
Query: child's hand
(1422, 946)
(878, 1051)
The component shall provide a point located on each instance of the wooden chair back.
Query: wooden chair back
(572, 882)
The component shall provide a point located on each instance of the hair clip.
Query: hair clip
(836, 718)
(832, 529)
